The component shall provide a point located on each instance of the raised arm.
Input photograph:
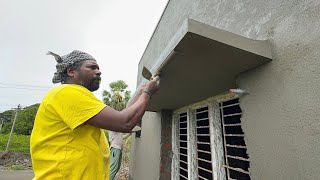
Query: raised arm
(125, 120)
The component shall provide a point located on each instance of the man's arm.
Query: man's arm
(125, 120)
(137, 96)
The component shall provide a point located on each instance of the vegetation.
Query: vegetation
(18, 157)
(24, 122)
(19, 143)
(118, 97)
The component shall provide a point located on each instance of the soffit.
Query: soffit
(202, 61)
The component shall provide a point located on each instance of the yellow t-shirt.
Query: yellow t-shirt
(62, 145)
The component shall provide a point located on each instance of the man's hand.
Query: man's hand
(152, 86)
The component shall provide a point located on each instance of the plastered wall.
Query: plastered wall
(145, 153)
(281, 114)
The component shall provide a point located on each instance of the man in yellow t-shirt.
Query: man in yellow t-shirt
(67, 140)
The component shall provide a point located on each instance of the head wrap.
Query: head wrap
(67, 60)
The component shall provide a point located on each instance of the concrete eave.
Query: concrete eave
(201, 61)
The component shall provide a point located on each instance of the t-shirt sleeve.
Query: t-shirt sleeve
(75, 105)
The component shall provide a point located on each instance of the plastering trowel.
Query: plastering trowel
(146, 73)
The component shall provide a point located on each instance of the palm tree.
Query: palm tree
(118, 97)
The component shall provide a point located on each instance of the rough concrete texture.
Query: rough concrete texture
(281, 114)
(145, 157)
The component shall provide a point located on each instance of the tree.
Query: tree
(118, 97)
(24, 122)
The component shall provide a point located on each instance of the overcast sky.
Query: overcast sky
(115, 32)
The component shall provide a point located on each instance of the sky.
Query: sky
(115, 32)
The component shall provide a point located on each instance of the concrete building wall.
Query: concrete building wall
(281, 116)
(145, 154)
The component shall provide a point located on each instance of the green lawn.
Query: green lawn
(19, 143)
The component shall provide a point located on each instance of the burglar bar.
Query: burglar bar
(203, 140)
(183, 120)
(229, 111)
(237, 169)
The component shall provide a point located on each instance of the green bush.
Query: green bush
(19, 143)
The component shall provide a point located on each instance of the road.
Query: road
(16, 175)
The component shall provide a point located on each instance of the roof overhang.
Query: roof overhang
(202, 61)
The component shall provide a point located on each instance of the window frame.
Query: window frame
(216, 137)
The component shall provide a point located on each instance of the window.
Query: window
(203, 144)
(183, 146)
(209, 142)
(236, 158)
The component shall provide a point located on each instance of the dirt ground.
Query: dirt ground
(15, 161)
(20, 161)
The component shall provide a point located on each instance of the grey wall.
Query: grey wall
(281, 116)
(282, 112)
(145, 154)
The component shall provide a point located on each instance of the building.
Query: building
(196, 129)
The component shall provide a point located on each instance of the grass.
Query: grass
(17, 167)
(19, 143)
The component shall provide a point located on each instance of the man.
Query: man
(67, 140)
(116, 144)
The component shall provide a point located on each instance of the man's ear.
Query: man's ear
(71, 72)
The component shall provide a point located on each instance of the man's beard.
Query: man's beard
(93, 84)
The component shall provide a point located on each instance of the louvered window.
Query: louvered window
(183, 146)
(236, 158)
(203, 144)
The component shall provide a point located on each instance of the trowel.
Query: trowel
(146, 73)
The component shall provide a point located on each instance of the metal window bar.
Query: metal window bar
(237, 169)
(183, 169)
(234, 135)
(183, 161)
(237, 124)
(182, 115)
(204, 151)
(205, 169)
(183, 147)
(183, 176)
(200, 127)
(203, 143)
(202, 177)
(236, 146)
(201, 112)
(183, 154)
(202, 119)
(227, 166)
(203, 132)
(238, 158)
(230, 105)
(204, 160)
(235, 114)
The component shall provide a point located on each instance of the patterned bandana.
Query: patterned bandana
(65, 61)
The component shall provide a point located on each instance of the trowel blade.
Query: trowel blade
(146, 73)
